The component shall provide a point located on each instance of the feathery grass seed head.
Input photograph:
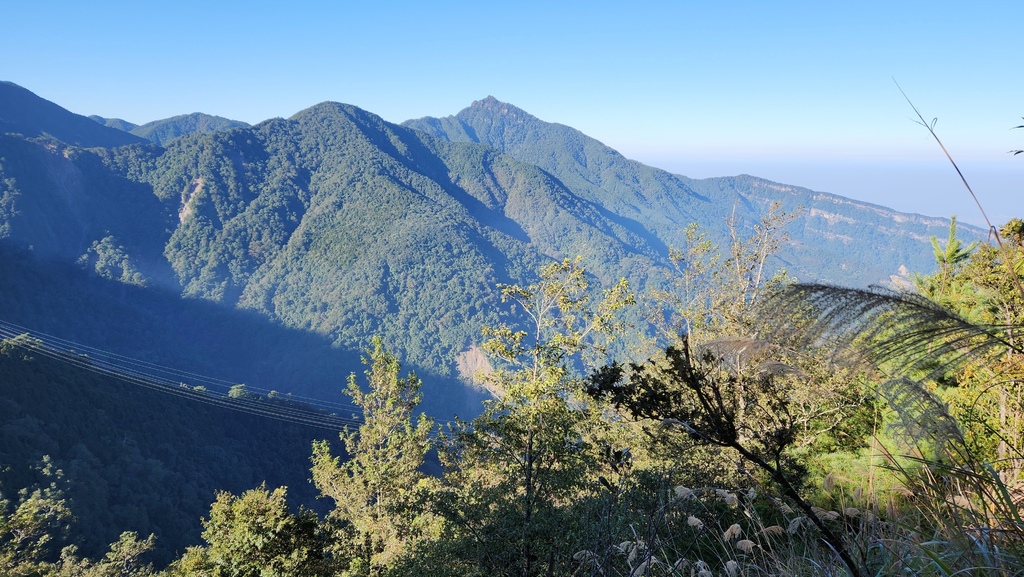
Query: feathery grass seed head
(682, 492)
(732, 532)
(829, 483)
(773, 531)
(795, 524)
(729, 498)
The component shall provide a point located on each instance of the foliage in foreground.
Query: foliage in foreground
(716, 457)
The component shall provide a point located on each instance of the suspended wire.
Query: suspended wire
(331, 422)
(266, 408)
(178, 374)
(157, 377)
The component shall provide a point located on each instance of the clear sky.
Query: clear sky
(798, 92)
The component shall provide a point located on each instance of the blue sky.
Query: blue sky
(798, 92)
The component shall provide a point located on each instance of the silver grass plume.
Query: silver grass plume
(903, 331)
(908, 337)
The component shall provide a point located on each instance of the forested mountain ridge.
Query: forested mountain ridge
(271, 254)
(160, 132)
(340, 223)
(833, 239)
(118, 123)
(334, 219)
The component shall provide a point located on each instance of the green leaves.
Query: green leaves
(372, 490)
(254, 534)
(517, 468)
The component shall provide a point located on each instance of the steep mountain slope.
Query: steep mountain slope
(132, 459)
(73, 203)
(834, 239)
(841, 240)
(23, 112)
(333, 221)
(337, 221)
(341, 224)
(160, 132)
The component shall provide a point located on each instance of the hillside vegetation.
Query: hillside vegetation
(337, 222)
(795, 430)
(656, 395)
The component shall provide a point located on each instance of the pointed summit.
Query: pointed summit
(495, 106)
(489, 102)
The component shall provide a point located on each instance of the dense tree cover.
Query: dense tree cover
(192, 334)
(340, 223)
(708, 458)
(977, 282)
(161, 132)
(947, 363)
(716, 450)
(126, 458)
(375, 489)
(60, 201)
(255, 534)
(515, 470)
(118, 123)
(830, 233)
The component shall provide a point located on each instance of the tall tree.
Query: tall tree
(515, 468)
(980, 284)
(711, 290)
(373, 490)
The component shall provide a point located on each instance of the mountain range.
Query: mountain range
(338, 223)
(270, 254)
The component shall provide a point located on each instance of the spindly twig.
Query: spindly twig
(992, 229)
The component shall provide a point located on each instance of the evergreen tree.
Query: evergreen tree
(373, 490)
(516, 469)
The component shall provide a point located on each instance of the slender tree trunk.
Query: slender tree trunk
(528, 509)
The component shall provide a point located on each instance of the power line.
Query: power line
(156, 371)
(172, 381)
(264, 408)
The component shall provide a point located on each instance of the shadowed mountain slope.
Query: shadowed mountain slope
(332, 221)
(338, 223)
